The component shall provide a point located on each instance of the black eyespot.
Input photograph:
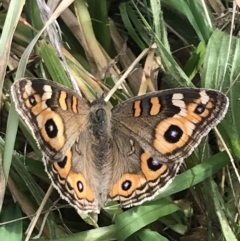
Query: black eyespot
(173, 134)
(80, 186)
(126, 185)
(62, 162)
(51, 128)
(200, 109)
(32, 100)
(153, 164)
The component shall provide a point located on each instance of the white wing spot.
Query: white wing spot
(28, 88)
(177, 100)
(48, 92)
(204, 97)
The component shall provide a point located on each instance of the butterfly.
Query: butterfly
(127, 154)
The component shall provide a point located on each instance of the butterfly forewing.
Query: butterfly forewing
(49, 110)
(170, 124)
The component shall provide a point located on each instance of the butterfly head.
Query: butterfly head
(99, 117)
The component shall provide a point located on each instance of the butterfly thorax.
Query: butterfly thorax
(100, 129)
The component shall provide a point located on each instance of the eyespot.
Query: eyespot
(51, 128)
(152, 168)
(153, 164)
(199, 109)
(126, 185)
(173, 134)
(32, 100)
(80, 186)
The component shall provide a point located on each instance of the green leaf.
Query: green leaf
(11, 231)
(159, 25)
(99, 13)
(147, 234)
(196, 174)
(53, 64)
(221, 71)
(176, 76)
(10, 23)
(136, 218)
(227, 228)
(98, 234)
(195, 61)
(126, 12)
(195, 14)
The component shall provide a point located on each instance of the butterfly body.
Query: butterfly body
(94, 155)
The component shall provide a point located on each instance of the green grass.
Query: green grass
(202, 201)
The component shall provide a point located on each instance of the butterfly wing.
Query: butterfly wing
(49, 109)
(152, 134)
(58, 119)
(134, 175)
(170, 124)
(76, 177)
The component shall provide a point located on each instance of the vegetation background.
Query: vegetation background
(153, 44)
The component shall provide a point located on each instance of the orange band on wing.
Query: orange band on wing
(148, 173)
(62, 100)
(137, 108)
(133, 181)
(74, 104)
(63, 168)
(79, 184)
(156, 106)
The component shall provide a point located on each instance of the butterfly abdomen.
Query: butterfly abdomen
(100, 131)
